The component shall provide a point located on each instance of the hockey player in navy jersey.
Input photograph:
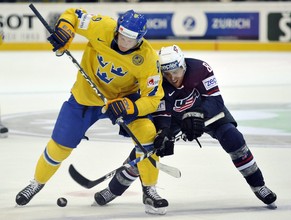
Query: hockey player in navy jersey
(192, 96)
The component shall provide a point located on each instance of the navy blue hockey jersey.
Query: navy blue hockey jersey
(199, 89)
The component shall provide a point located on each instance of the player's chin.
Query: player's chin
(123, 49)
(177, 84)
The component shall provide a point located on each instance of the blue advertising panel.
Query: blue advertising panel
(232, 25)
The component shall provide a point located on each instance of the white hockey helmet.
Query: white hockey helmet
(171, 58)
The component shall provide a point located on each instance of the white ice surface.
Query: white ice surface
(210, 186)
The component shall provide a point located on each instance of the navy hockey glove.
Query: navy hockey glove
(164, 142)
(62, 37)
(121, 107)
(193, 125)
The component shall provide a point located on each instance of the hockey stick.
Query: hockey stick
(214, 119)
(206, 123)
(167, 169)
(83, 181)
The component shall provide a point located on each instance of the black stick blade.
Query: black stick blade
(83, 181)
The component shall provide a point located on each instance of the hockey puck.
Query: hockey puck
(62, 202)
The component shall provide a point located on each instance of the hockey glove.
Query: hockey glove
(121, 107)
(193, 125)
(164, 142)
(62, 37)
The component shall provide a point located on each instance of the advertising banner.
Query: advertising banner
(247, 22)
(279, 26)
(203, 25)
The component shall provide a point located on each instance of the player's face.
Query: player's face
(175, 77)
(125, 43)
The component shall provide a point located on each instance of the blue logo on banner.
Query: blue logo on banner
(189, 23)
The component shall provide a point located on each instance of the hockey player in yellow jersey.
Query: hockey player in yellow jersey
(126, 70)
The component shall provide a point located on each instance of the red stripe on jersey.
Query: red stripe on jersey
(213, 91)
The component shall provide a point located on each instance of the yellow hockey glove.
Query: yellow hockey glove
(121, 107)
(62, 37)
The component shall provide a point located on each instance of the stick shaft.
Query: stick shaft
(214, 119)
(39, 16)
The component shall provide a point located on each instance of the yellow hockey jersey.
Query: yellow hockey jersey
(115, 75)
